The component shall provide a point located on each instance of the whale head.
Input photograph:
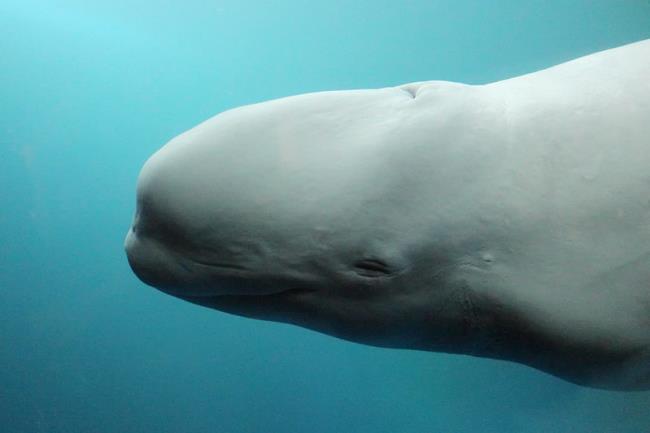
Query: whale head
(310, 210)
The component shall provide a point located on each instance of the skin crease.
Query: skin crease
(509, 220)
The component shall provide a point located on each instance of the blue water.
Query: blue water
(89, 89)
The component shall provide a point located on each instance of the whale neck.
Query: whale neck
(503, 322)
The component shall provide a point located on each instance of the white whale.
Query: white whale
(509, 220)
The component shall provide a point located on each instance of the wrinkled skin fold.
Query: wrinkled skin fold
(509, 220)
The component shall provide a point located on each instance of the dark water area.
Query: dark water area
(90, 89)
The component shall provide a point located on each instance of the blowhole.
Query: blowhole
(411, 90)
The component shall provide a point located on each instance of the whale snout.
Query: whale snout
(161, 266)
(154, 263)
(148, 266)
(133, 256)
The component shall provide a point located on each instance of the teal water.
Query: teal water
(89, 89)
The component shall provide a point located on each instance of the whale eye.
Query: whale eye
(372, 268)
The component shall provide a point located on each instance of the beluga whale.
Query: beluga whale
(508, 220)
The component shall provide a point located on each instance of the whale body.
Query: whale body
(509, 220)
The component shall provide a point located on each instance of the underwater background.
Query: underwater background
(89, 89)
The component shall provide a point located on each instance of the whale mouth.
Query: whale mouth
(267, 295)
(219, 265)
(277, 306)
(203, 278)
